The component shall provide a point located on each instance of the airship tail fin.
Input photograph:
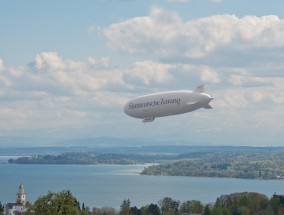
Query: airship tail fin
(208, 106)
(199, 88)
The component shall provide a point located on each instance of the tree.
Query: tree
(153, 209)
(196, 207)
(275, 204)
(104, 211)
(244, 210)
(63, 203)
(134, 211)
(1, 209)
(85, 210)
(165, 205)
(125, 207)
(144, 210)
(169, 206)
(220, 211)
(193, 206)
(175, 206)
(207, 210)
(185, 207)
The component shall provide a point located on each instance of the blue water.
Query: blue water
(109, 185)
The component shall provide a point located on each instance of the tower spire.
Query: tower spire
(21, 197)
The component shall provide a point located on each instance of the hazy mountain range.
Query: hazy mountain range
(89, 142)
(35, 146)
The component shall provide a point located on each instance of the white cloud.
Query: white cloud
(255, 97)
(108, 99)
(52, 92)
(48, 60)
(231, 99)
(52, 75)
(4, 80)
(262, 31)
(239, 79)
(100, 63)
(145, 35)
(1, 65)
(164, 34)
(149, 72)
(57, 93)
(209, 75)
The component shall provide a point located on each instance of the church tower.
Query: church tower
(21, 197)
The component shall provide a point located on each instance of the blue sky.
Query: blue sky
(68, 67)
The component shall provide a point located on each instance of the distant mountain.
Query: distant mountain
(103, 142)
(127, 142)
(91, 142)
(18, 141)
(10, 141)
(176, 150)
(33, 146)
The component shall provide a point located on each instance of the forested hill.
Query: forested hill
(91, 158)
(253, 164)
(249, 165)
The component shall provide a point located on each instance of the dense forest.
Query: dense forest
(245, 203)
(248, 165)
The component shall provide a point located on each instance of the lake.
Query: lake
(109, 185)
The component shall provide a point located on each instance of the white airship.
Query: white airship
(148, 107)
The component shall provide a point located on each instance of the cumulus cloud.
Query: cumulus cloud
(51, 61)
(51, 92)
(164, 34)
(52, 75)
(100, 63)
(144, 35)
(48, 60)
(149, 72)
(56, 92)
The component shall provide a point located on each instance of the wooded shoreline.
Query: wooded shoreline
(235, 164)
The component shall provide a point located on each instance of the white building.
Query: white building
(19, 207)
